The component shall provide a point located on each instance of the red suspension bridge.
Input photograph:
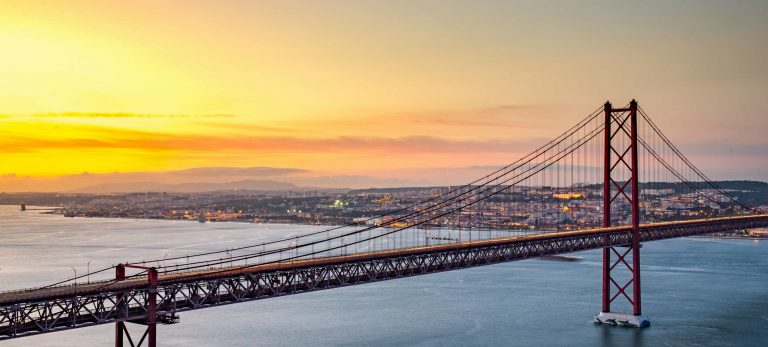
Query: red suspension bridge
(607, 173)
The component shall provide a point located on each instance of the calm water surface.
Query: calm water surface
(697, 292)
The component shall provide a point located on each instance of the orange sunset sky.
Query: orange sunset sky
(356, 93)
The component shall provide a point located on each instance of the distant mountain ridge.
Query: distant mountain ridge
(748, 191)
(191, 187)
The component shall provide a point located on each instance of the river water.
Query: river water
(696, 292)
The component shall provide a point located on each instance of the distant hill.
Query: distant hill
(132, 187)
(393, 190)
(751, 193)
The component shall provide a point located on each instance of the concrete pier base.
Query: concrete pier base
(621, 319)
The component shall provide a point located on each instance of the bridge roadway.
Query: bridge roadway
(35, 311)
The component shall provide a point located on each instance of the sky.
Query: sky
(364, 93)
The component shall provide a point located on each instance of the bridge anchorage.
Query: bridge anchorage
(615, 186)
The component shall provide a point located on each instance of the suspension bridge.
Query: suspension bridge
(605, 183)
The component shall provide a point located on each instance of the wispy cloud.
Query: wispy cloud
(126, 115)
(158, 142)
(188, 179)
(465, 122)
(260, 171)
(506, 108)
(476, 120)
(245, 127)
(720, 148)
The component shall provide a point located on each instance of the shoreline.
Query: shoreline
(49, 210)
(53, 213)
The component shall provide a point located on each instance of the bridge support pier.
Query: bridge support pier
(622, 319)
(150, 333)
(615, 186)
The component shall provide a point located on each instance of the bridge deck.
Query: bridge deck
(180, 277)
(58, 308)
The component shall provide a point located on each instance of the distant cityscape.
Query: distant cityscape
(513, 208)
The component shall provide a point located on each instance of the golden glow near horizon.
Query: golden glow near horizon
(346, 88)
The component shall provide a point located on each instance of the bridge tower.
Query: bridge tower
(620, 160)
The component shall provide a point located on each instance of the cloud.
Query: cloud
(140, 140)
(240, 127)
(355, 181)
(507, 116)
(205, 176)
(496, 119)
(508, 108)
(415, 132)
(465, 122)
(718, 148)
(260, 171)
(126, 115)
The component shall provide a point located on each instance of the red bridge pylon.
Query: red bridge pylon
(620, 161)
(121, 330)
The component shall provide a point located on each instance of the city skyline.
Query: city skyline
(368, 95)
